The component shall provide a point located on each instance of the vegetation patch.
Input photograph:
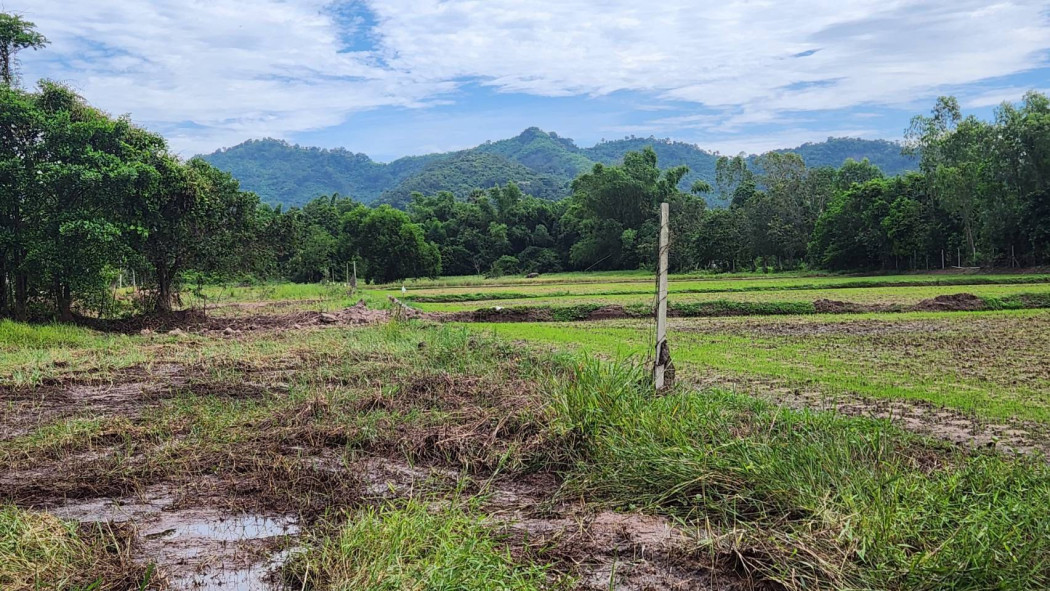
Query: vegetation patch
(39, 551)
(726, 287)
(417, 544)
(813, 500)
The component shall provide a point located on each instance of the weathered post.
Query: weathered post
(353, 280)
(663, 353)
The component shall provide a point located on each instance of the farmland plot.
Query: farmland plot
(297, 439)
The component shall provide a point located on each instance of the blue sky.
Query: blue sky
(399, 77)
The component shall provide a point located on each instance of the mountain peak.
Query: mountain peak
(541, 162)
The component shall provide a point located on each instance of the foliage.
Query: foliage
(393, 246)
(543, 164)
(787, 480)
(16, 34)
(87, 195)
(415, 546)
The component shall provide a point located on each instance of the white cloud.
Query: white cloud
(215, 72)
(997, 96)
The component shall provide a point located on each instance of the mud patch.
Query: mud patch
(824, 306)
(958, 302)
(202, 549)
(26, 408)
(845, 327)
(197, 321)
(603, 549)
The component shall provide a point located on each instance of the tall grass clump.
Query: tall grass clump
(415, 545)
(39, 551)
(810, 500)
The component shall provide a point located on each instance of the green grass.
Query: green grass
(641, 281)
(39, 551)
(811, 500)
(15, 336)
(416, 544)
(808, 499)
(784, 294)
(991, 364)
(32, 353)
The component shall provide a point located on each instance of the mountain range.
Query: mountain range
(541, 163)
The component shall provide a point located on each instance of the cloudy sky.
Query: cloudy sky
(397, 77)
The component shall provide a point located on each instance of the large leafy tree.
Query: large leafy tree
(613, 209)
(21, 137)
(393, 247)
(188, 216)
(84, 169)
(956, 159)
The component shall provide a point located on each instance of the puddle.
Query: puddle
(201, 549)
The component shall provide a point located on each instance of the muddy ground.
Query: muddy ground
(226, 514)
(961, 302)
(212, 513)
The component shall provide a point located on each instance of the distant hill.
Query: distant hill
(835, 150)
(542, 163)
(462, 172)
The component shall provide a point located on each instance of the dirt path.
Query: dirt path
(924, 418)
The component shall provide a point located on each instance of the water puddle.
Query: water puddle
(201, 549)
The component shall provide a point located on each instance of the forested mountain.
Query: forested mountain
(293, 175)
(541, 163)
(835, 150)
(462, 172)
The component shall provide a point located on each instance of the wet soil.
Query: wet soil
(194, 548)
(961, 302)
(226, 519)
(198, 322)
(606, 549)
(24, 409)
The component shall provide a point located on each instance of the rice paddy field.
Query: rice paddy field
(823, 432)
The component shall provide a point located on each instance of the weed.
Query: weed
(416, 544)
(815, 500)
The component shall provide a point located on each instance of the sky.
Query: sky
(391, 78)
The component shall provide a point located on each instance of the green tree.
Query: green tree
(611, 205)
(957, 160)
(21, 130)
(393, 247)
(16, 34)
(853, 172)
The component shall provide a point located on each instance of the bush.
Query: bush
(505, 265)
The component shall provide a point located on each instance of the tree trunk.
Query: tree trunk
(4, 300)
(64, 303)
(163, 304)
(21, 297)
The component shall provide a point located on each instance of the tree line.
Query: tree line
(87, 199)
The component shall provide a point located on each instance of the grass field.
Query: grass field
(271, 448)
(858, 295)
(992, 364)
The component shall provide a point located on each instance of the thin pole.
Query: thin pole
(353, 281)
(663, 357)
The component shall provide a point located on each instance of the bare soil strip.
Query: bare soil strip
(962, 302)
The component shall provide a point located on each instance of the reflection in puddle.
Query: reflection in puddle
(198, 549)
